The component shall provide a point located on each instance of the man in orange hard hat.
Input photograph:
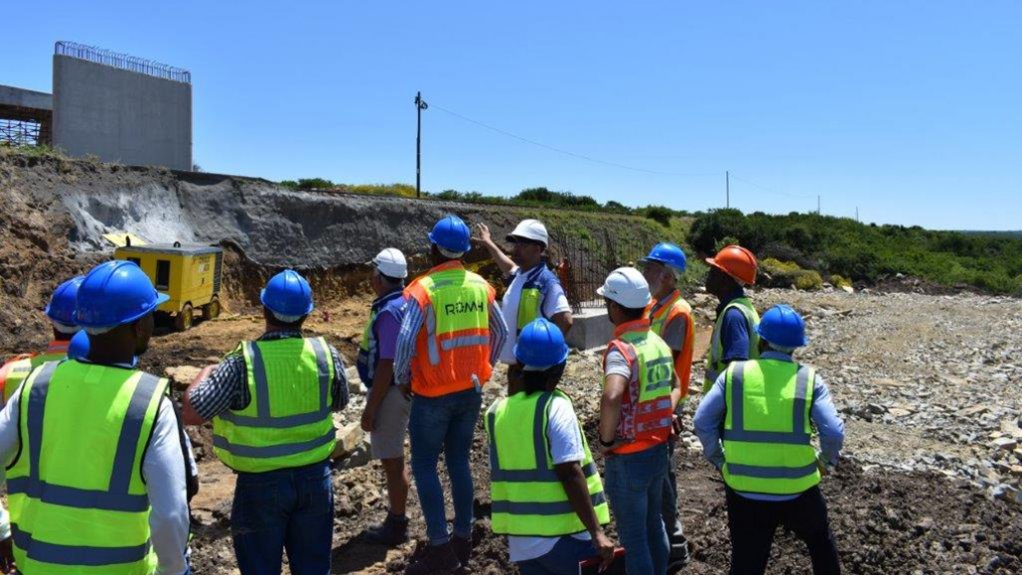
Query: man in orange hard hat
(734, 331)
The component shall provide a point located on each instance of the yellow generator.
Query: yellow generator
(189, 274)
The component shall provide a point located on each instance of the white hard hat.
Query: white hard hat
(391, 263)
(627, 287)
(531, 230)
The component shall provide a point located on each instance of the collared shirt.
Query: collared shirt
(553, 302)
(709, 422)
(163, 469)
(411, 325)
(734, 332)
(226, 388)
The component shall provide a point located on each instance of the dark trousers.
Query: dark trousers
(669, 506)
(752, 524)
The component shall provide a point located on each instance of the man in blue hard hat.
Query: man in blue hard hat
(112, 458)
(271, 402)
(554, 472)
(450, 337)
(754, 424)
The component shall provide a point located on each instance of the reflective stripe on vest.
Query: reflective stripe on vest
(714, 361)
(528, 497)
(279, 430)
(452, 350)
(646, 414)
(767, 444)
(44, 498)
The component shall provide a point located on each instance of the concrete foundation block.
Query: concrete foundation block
(591, 329)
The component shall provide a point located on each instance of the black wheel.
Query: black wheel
(183, 319)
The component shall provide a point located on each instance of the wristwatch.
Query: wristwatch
(605, 443)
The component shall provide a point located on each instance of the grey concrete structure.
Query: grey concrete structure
(21, 98)
(121, 115)
(592, 328)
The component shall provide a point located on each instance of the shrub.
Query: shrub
(660, 214)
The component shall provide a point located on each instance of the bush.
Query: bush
(660, 214)
(839, 281)
(775, 273)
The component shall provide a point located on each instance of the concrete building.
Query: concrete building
(114, 106)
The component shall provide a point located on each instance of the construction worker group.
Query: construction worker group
(100, 471)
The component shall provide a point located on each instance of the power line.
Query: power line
(773, 191)
(568, 152)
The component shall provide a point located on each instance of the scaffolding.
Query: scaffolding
(25, 126)
(585, 262)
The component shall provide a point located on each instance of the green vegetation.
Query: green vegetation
(863, 252)
(787, 274)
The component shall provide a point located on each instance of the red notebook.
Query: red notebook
(592, 566)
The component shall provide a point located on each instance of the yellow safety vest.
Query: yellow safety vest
(715, 361)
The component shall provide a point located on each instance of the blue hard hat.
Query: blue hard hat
(287, 294)
(541, 344)
(668, 254)
(115, 293)
(79, 346)
(61, 308)
(452, 234)
(782, 326)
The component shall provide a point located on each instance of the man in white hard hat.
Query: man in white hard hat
(533, 289)
(640, 392)
(388, 406)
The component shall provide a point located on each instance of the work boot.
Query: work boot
(679, 556)
(462, 548)
(435, 560)
(393, 531)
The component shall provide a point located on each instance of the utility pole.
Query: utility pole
(817, 205)
(727, 187)
(420, 105)
(856, 213)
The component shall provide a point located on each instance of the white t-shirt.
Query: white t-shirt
(554, 302)
(565, 439)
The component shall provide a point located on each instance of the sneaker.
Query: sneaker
(462, 548)
(679, 556)
(393, 531)
(435, 560)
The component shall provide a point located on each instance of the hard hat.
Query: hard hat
(627, 287)
(78, 348)
(288, 296)
(391, 263)
(541, 345)
(736, 262)
(530, 230)
(668, 254)
(61, 309)
(115, 293)
(783, 327)
(452, 234)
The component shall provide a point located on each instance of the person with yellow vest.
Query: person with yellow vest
(640, 393)
(546, 493)
(60, 311)
(271, 402)
(533, 289)
(754, 425)
(450, 336)
(734, 330)
(387, 408)
(670, 317)
(95, 469)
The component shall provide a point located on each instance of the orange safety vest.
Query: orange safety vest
(452, 348)
(646, 410)
(675, 308)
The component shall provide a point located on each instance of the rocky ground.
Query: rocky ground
(928, 385)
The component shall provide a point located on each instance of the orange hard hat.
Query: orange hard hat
(736, 262)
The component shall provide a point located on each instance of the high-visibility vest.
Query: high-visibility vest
(452, 349)
(528, 498)
(767, 434)
(674, 308)
(646, 411)
(17, 369)
(715, 360)
(288, 422)
(369, 349)
(530, 300)
(77, 498)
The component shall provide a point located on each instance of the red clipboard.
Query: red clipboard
(592, 566)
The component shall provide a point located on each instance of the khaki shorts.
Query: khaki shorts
(388, 439)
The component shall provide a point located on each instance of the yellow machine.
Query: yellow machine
(189, 274)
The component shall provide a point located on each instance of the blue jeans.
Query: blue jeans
(634, 484)
(563, 559)
(444, 424)
(287, 509)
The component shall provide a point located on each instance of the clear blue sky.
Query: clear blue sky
(910, 110)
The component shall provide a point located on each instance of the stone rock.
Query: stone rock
(1004, 443)
(349, 438)
(899, 412)
(182, 375)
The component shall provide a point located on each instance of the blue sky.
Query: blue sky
(908, 110)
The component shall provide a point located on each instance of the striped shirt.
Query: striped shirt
(410, 330)
(227, 386)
